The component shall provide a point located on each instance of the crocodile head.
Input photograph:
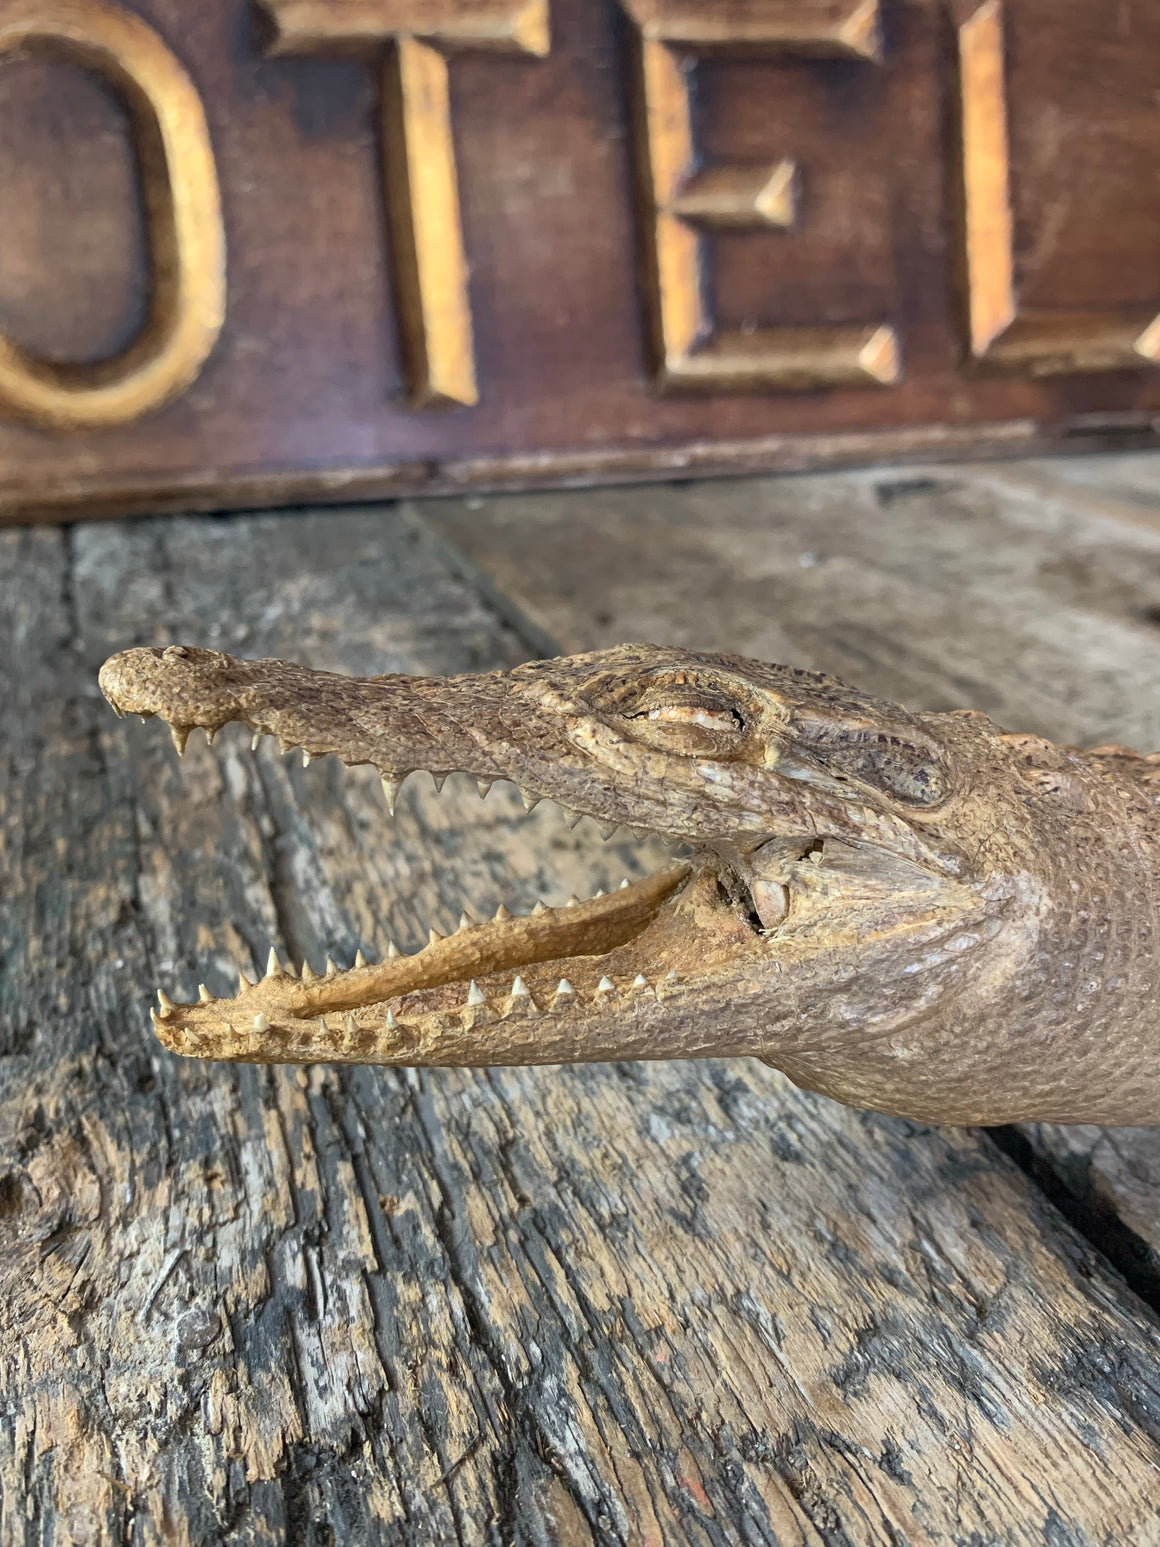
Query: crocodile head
(848, 875)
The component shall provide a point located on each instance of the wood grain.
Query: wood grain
(622, 1304)
(829, 326)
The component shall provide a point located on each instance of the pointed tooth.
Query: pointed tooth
(483, 785)
(563, 987)
(210, 732)
(392, 950)
(573, 818)
(349, 1027)
(204, 994)
(502, 914)
(120, 713)
(541, 907)
(606, 986)
(283, 745)
(167, 1006)
(273, 965)
(573, 901)
(671, 975)
(331, 967)
(308, 973)
(475, 994)
(466, 921)
(261, 1023)
(391, 788)
(254, 740)
(359, 959)
(519, 988)
(598, 893)
(433, 936)
(623, 885)
(291, 970)
(438, 780)
(305, 758)
(392, 1023)
(607, 832)
(640, 981)
(530, 801)
(243, 983)
(180, 734)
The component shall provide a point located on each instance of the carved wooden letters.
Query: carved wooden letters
(428, 261)
(186, 240)
(677, 198)
(842, 229)
(1039, 343)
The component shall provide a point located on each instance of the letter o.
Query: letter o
(186, 241)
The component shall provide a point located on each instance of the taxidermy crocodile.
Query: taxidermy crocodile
(919, 913)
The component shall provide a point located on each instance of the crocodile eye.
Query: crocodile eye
(713, 719)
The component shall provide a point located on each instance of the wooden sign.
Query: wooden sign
(346, 248)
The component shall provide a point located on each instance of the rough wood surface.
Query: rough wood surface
(1030, 590)
(621, 1304)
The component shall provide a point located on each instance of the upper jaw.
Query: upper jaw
(531, 725)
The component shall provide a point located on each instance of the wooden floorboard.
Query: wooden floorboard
(657, 1304)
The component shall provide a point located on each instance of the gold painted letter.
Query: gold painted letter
(427, 256)
(186, 241)
(677, 200)
(1001, 335)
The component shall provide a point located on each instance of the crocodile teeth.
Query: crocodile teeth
(261, 1023)
(530, 801)
(359, 959)
(607, 832)
(392, 1023)
(305, 758)
(254, 740)
(502, 914)
(273, 965)
(640, 981)
(180, 735)
(466, 921)
(541, 907)
(433, 936)
(167, 1005)
(573, 818)
(391, 788)
(331, 967)
(438, 780)
(308, 974)
(475, 994)
(606, 986)
(243, 983)
(204, 994)
(520, 988)
(392, 950)
(564, 988)
(483, 785)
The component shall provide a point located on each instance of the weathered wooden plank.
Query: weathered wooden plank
(1030, 590)
(624, 1304)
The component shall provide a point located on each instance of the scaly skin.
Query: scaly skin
(919, 913)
